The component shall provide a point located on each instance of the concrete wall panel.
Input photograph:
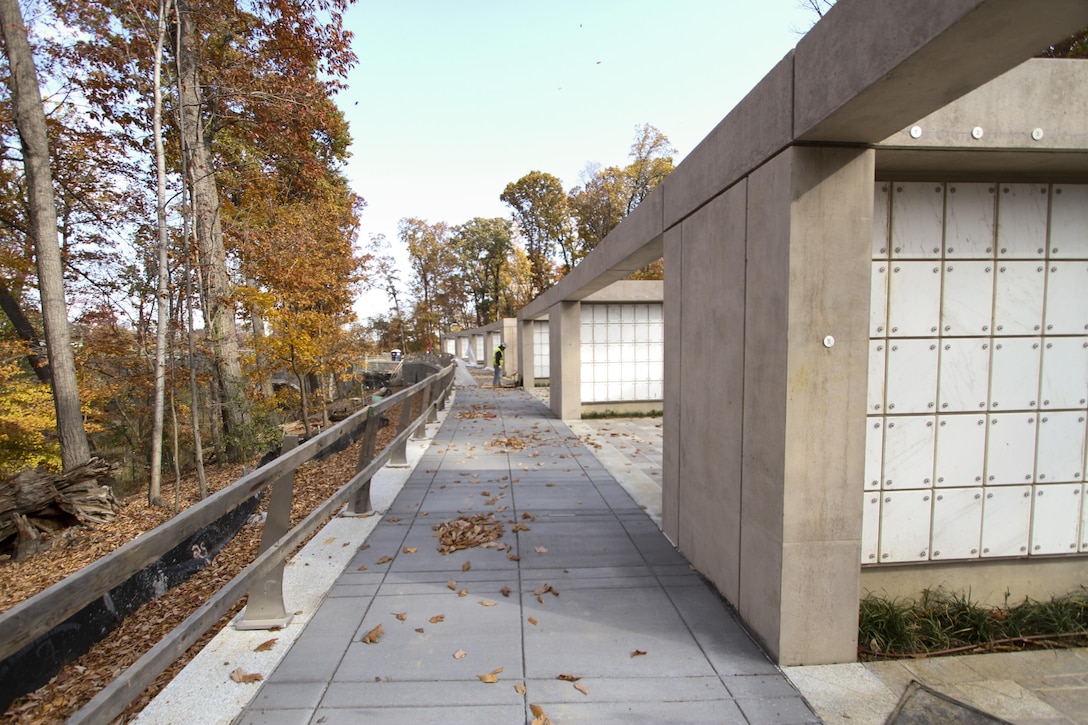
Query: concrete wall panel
(712, 388)
(674, 359)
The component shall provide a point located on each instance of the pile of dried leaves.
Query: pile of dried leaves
(73, 549)
(510, 443)
(468, 531)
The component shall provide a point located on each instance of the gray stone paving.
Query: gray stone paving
(588, 587)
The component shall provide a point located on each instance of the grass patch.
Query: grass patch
(945, 623)
(599, 414)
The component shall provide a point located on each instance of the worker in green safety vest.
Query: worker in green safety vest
(498, 364)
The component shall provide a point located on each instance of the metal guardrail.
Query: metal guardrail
(263, 578)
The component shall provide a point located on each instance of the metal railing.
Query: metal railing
(263, 578)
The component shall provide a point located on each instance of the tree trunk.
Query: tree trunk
(219, 319)
(30, 120)
(26, 333)
(154, 491)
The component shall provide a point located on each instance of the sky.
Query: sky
(453, 100)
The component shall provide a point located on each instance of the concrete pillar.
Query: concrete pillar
(525, 353)
(766, 320)
(462, 347)
(509, 335)
(810, 214)
(565, 358)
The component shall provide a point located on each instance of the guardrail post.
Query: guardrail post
(399, 456)
(360, 504)
(421, 431)
(432, 417)
(265, 609)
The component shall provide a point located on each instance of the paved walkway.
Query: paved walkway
(582, 607)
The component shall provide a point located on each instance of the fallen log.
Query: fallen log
(39, 500)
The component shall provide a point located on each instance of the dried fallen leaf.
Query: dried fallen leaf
(463, 593)
(568, 678)
(266, 645)
(438, 618)
(519, 688)
(513, 557)
(393, 519)
(637, 653)
(532, 621)
(486, 603)
(581, 688)
(410, 550)
(240, 675)
(520, 527)
(466, 566)
(401, 615)
(362, 568)
(505, 591)
(373, 636)
(364, 547)
(451, 585)
(419, 629)
(385, 560)
(490, 677)
(459, 654)
(541, 550)
(329, 540)
(528, 516)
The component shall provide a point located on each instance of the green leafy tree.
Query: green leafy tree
(543, 218)
(483, 248)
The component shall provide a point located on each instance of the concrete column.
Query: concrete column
(509, 335)
(674, 308)
(565, 357)
(525, 353)
(809, 232)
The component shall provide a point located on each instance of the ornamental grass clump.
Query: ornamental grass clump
(943, 622)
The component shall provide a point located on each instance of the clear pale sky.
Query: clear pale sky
(453, 99)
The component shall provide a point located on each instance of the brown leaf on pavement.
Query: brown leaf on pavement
(459, 654)
(487, 603)
(451, 585)
(329, 540)
(532, 621)
(373, 636)
(240, 675)
(519, 688)
(466, 566)
(581, 688)
(401, 615)
(410, 550)
(505, 591)
(362, 568)
(568, 678)
(513, 557)
(541, 550)
(437, 618)
(463, 593)
(385, 560)
(266, 645)
(528, 516)
(637, 653)
(490, 677)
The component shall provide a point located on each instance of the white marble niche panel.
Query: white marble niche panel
(969, 222)
(1018, 298)
(914, 299)
(917, 220)
(1021, 221)
(1069, 222)
(874, 452)
(957, 523)
(875, 389)
(964, 374)
(961, 450)
(909, 451)
(1006, 521)
(870, 528)
(1014, 373)
(1059, 456)
(905, 518)
(1067, 298)
(1010, 449)
(967, 306)
(1055, 525)
(1065, 373)
(878, 300)
(881, 209)
(911, 385)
